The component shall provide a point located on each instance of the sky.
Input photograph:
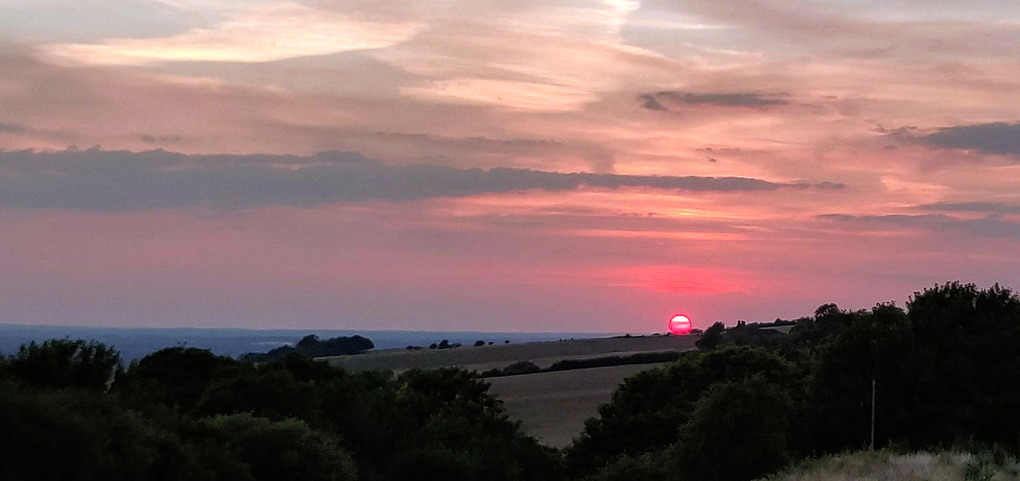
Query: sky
(492, 165)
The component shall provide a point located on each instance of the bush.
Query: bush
(521, 367)
(433, 465)
(737, 432)
(606, 361)
(647, 467)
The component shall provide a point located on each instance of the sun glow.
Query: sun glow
(680, 325)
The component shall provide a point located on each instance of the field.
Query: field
(543, 354)
(552, 406)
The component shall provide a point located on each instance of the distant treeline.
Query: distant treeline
(311, 346)
(748, 403)
(528, 367)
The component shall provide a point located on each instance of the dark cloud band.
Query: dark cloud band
(997, 138)
(985, 207)
(119, 180)
(990, 227)
(753, 100)
(11, 128)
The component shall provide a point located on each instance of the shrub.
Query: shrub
(737, 432)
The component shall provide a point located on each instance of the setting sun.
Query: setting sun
(680, 325)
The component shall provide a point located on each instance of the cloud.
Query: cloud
(989, 227)
(754, 100)
(990, 207)
(259, 33)
(101, 180)
(651, 103)
(11, 128)
(998, 138)
(161, 139)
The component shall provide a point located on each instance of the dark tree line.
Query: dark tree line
(312, 346)
(947, 370)
(184, 413)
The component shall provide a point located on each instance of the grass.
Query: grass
(554, 405)
(889, 466)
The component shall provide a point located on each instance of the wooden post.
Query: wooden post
(872, 414)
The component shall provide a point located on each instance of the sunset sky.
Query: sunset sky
(495, 165)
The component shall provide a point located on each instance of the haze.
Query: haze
(554, 165)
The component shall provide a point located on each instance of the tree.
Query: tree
(738, 431)
(876, 345)
(62, 363)
(174, 376)
(82, 435)
(312, 346)
(286, 449)
(712, 337)
(647, 410)
(970, 342)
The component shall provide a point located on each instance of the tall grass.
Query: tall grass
(889, 466)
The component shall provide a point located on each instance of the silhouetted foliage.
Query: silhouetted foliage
(606, 361)
(648, 409)
(517, 368)
(876, 345)
(175, 377)
(312, 346)
(287, 449)
(750, 400)
(712, 337)
(738, 431)
(528, 367)
(647, 467)
(62, 363)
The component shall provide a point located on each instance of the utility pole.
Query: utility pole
(872, 414)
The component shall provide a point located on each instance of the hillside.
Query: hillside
(481, 358)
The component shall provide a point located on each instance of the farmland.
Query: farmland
(480, 358)
(552, 406)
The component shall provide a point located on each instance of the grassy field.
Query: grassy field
(544, 354)
(886, 466)
(552, 406)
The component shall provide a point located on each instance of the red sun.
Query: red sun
(680, 325)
